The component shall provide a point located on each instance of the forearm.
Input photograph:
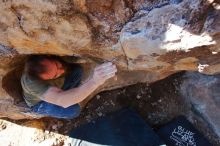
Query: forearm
(76, 95)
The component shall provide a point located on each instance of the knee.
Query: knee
(72, 112)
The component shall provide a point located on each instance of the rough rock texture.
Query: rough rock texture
(202, 91)
(147, 39)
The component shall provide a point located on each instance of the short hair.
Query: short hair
(34, 66)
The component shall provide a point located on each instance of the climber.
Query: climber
(52, 87)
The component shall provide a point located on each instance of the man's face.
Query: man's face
(54, 67)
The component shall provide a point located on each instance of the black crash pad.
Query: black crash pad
(122, 128)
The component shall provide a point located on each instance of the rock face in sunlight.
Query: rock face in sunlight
(168, 27)
(148, 40)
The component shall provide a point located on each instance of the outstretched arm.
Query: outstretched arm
(76, 95)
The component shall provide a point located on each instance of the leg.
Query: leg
(52, 110)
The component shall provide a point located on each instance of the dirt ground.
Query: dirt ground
(157, 103)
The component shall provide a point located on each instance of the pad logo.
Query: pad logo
(183, 137)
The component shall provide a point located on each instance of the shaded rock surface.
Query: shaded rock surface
(203, 93)
(147, 39)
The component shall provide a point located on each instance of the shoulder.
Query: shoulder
(27, 80)
(24, 79)
(33, 86)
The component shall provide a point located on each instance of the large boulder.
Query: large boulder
(203, 93)
(147, 40)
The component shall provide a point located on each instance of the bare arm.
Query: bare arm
(76, 95)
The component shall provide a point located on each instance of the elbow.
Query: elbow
(60, 98)
(62, 103)
(65, 106)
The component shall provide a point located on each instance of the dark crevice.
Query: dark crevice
(126, 57)
(11, 84)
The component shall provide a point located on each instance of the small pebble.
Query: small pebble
(66, 131)
(2, 127)
(153, 104)
(99, 114)
(59, 124)
(54, 127)
(106, 103)
(98, 97)
(138, 96)
(112, 103)
(88, 118)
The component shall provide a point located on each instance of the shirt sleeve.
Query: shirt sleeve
(34, 87)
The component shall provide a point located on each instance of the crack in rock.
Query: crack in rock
(20, 20)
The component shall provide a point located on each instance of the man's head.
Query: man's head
(44, 67)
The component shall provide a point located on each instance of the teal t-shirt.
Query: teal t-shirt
(33, 89)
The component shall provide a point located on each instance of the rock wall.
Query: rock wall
(147, 39)
(202, 92)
